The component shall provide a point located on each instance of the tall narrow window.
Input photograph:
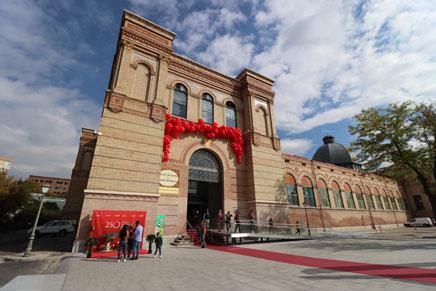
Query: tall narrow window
(349, 196)
(394, 203)
(291, 189)
(323, 194)
(337, 195)
(207, 108)
(309, 196)
(370, 201)
(230, 114)
(359, 197)
(387, 203)
(180, 101)
(369, 198)
(379, 202)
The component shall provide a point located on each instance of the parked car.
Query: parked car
(419, 221)
(61, 227)
(434, 221)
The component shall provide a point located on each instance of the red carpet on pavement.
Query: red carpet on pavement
(388, 271)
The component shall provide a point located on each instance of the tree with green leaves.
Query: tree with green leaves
(401, 139)
(14, 195)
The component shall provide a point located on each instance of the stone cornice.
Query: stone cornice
(197, 73)
(129, 34)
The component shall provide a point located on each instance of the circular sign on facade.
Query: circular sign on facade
(168, 178)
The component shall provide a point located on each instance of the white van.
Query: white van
(419, 221)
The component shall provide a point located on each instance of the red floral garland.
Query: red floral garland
(175, 126)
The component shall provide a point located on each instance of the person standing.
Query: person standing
(206, 217)
(237, 221)
(270, 225)
(220, 219)
(252, 218)
(150, 238)
(202, 233)
(138, 240)
(228, 220)
(129, 241)
(158, 241)
(122, 245)
(297, 227)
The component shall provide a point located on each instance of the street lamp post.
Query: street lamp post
(307, 218)
(28, 251)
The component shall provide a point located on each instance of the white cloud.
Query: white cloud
(298, 146)
(228, 54)
(386, 55)
(39, 120)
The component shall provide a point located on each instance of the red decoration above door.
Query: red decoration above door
(175, 126)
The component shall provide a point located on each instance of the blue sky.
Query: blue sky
(329, 59)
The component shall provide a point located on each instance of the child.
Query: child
(158, 242)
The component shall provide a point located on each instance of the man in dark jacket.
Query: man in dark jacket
(158, 241)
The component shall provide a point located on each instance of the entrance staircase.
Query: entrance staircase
(186, 238)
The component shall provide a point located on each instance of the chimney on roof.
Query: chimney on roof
(328, 139)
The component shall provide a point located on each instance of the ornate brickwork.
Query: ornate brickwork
(114, 101)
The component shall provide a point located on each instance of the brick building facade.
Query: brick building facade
(122, 168)
(57, 186)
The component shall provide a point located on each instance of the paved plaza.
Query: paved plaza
(192, 268)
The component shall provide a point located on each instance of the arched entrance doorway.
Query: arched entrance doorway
(205, 184)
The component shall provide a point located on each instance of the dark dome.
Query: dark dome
(331, 152)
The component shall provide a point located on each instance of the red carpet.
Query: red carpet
(388, 271)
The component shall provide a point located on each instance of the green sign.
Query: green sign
(160, 220)
(160, 224)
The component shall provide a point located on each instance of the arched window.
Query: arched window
(323, 193)
(230, 114)
(207, 108)
(309, 197)
(180, 101)
(378, 199)
(359, 197)
(291, 189)
(349, 196)
(369, 198)
(261, 121)
(337, 195)
(386, 201)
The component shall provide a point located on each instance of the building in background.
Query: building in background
(5, 163)
(416, 199)
(57, 186)
(126, 167)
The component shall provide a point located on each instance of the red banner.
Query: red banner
(111, 221)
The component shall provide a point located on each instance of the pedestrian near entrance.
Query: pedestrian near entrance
(237, 221)
(297, 226)
(252, 219)
(206, 217)
(158, 241)
(220, 220)
(129, 241)
(138, 240)
(123, 242)
(150, 238)
(202, 233)
(228, 220)
(270, 225)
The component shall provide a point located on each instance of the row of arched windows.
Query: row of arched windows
(180, 106)
(373, 201)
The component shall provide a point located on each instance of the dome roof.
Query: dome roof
(331, 152)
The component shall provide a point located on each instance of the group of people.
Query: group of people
(130, 242)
